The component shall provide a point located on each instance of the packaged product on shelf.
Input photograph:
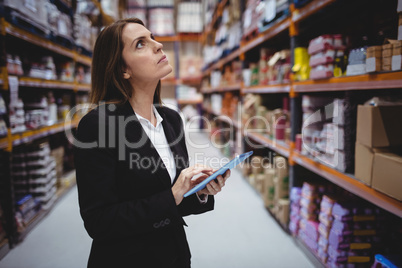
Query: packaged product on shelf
(377, 126)
(254, 79)
(340, 63)
(400, 26)
(32, 12)
(387, 170)
(312, 244)
(111, 8)
(282, 211)
(281, 179)
(269, 188)
(279, 67)
(322, 71)
(323, 57)
(295, 196)
(189, 18)
(27, 208)
(161, 21)
(301, 67)
(364, 161)
(374, 59)
(396, 61)
(356, 61)
(84, 32)
(67, 71)
(36, 113)
(17, 116)
(251, 17)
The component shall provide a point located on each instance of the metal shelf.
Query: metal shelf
(30, 135)
(45, 43)
(43, 83)
(59, 194)
(4, 143)
(277, 146)
(278, 88)
(221, 89)
(184, 102)
(349, 183)
(267, 34)
(309, 9)
(227, 119)
(359, 82)
(190, 80)
(310, 255)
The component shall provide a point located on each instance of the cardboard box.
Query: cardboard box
(396, 64)
(387, 170)
(386, 67)
(364, 159)
(397, 48)
(373, 65)
(386, 61)
(386, 50)
(374, 52)
(282, 211)
(400, 32)
(379, 126)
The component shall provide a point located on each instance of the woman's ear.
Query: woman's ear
(126, 75)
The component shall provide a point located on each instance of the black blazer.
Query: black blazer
(124, 190)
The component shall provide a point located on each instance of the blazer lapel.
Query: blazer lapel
(135, 133)
(173, 140)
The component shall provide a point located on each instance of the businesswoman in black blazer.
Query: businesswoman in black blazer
(130, 186)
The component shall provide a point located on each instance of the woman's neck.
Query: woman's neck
(142, 103)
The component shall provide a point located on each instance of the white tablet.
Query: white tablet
(234, 162)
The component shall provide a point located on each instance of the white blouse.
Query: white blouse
(158, 138)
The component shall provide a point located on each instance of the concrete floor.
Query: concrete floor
(239, 233)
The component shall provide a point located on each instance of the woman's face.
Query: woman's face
(144, 58)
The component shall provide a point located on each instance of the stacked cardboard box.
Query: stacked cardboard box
(399, 9)
(396, 62)
(374, 59)
(378, 158)
(270, 177)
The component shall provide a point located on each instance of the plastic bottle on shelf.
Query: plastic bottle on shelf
(18, 66)
(10, 64)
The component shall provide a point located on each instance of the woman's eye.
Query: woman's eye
(140, 44)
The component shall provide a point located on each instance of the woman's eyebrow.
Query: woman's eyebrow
(142, 37)
(138, 38)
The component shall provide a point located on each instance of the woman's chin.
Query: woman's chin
(167, 72)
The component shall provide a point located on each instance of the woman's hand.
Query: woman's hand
(184, 182)
(215, 186)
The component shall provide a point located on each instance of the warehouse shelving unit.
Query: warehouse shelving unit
(10, 33)
(293, 89)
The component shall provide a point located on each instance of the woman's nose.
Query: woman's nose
(158, 46)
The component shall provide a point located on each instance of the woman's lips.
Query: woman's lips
(163, 59)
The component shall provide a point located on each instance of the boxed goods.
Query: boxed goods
(282, 211)
(31, 11)
(396, 62)
(387, 170)
(378, 126)
(364, 159)
(374, 59)
(400, 27)
(356, 61)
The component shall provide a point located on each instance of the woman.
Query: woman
(131, 158)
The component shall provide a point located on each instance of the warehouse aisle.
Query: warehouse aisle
(239, 233)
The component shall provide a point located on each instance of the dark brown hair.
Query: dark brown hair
(108, 84)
